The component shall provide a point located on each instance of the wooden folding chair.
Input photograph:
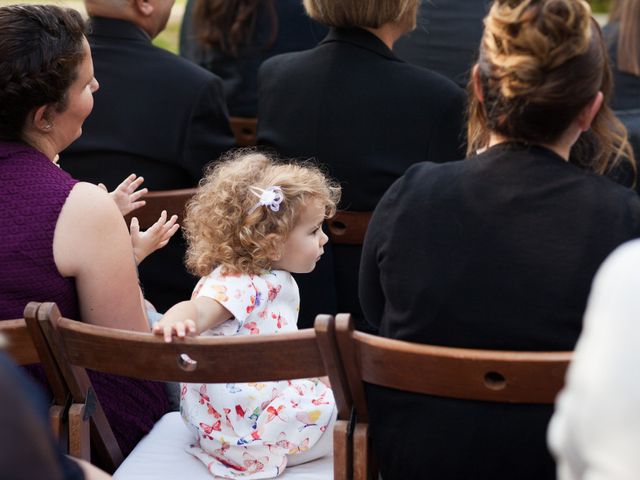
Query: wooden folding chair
(78, 346)
(245, 130)
(487, 375)
(173, 201)
(347, 227)
(21, 348)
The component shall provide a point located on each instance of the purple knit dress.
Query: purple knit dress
(33, 191)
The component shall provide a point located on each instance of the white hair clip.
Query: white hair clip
(269, 197)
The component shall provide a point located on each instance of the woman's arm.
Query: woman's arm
(91, 243)
(191, 317)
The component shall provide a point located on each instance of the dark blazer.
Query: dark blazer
(446, 38)
(156, 115)
(353, 106)
(494, 252)
(239, 74)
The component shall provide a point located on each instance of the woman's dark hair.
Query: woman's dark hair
(541, 62)
(226, 25)
(40, 51)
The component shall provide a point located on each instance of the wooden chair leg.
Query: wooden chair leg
(58, 426)
(361, 452)
(79, 439)
(342, 454)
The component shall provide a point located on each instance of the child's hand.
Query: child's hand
(169, 328)
(125, 194)
(155, 237)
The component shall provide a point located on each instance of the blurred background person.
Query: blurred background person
(446, 38)
(622, 34)
(354, 107)
(232, 38)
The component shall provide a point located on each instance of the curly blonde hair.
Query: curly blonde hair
(223, 229)
(541, 62)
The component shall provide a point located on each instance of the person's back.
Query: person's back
(33, 188)
(447, 37)
(353, 106)
(499, 251)
(157, 115)
(274, 27)
(503, 249)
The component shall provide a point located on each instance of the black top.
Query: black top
(353, 106)
(29, 450)
(494, 252)
(295, 31)
(156, 115)
(446, 38)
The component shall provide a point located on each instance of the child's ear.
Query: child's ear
(274, 247)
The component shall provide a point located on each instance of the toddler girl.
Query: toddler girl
(252, 222)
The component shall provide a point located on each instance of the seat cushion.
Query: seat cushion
(161, 455)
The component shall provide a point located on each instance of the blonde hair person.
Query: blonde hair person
(362, 112)
(498, 251)
(254, 221)
(223, 230)
(364, 14)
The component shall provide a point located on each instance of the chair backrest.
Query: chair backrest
(245, 130)
(77, 346)
(173, 201)
(486, 375)
(348, 228)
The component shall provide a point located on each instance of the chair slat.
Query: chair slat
(173, 201)
(497, 376)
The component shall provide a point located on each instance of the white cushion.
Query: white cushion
(161, 456)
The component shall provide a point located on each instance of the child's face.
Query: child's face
(303, 247)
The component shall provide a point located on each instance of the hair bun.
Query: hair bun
(524, 40)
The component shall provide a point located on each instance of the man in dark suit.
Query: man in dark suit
(157, 115)
(352, 105)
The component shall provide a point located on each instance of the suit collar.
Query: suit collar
(116, 28)
(361, 38)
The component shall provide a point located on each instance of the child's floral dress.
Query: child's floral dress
(248, 429)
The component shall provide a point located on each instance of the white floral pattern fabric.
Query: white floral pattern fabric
(248, 430)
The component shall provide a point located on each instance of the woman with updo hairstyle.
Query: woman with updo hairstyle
(498, 251)
(62, 240)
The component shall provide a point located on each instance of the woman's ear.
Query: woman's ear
(589, 112)
(477, 84)
(42, 119)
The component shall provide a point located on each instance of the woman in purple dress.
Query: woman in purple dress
(62, 240)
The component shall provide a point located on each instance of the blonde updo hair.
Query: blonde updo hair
(222, 230)
(541, 62)
(361, 13)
